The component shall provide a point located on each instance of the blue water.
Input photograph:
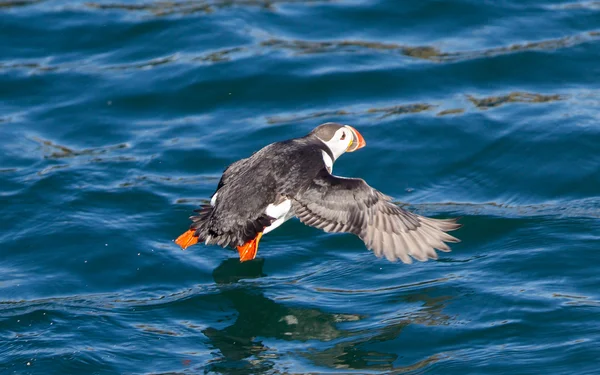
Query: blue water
(117, 119)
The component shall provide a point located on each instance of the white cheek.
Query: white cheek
(338, 146)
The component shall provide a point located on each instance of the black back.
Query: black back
(277, 172)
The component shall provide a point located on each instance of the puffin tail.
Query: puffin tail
(195, 234)
(207, 229)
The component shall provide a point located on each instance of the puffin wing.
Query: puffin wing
(337, 204)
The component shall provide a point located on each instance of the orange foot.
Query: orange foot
(248, 250)
(187, 239)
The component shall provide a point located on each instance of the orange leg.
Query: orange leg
(187, 239)
(249, 249)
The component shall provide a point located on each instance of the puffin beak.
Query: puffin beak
(357, 140)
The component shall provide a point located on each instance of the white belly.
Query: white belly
(282, 212)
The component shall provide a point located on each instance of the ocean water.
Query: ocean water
(117, 118)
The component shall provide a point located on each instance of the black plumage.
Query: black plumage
(277, 172)
(295, 170)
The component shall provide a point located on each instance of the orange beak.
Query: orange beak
(357, 140)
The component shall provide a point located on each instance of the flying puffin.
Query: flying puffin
(293, 178)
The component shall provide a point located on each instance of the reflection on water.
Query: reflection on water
(247, 344)
(260, 317)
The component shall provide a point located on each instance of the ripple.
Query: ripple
(513, 97)
(56, 151)
(385, 289)
(573, 300)
(145, 64)
(585, 5)
(401, 109)
(302, 117)
(451, 111)
(221, 55)
(156, 330)
(188, 7)
(18, 3)
(582, 208)
(149, 179)
(304, 47)
(482, 103)
(430, 53)
(31, 66)
(386, 111)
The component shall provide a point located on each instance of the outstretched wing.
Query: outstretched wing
(337, 204)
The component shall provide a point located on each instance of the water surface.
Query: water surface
(117, 119)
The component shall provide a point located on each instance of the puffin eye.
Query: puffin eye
(343, 136)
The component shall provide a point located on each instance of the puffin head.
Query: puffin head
(339, 138)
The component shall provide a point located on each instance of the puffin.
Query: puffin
(293, 178)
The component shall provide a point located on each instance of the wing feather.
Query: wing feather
(337, 204)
